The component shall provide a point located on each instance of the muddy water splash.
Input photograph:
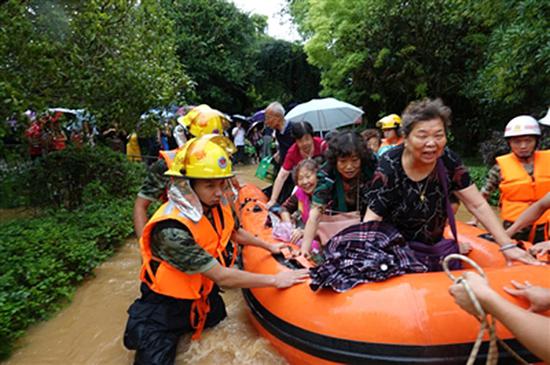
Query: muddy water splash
(90, 329)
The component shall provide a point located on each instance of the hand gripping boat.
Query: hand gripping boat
(410, 319)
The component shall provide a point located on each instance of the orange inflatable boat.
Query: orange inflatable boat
(410, 319)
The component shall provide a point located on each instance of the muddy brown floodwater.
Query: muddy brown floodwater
(89, 330)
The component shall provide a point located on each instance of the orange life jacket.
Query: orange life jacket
(518, 189)
(167, 280)
(386, 143)
(169, 156)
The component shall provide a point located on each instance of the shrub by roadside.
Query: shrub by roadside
(85, 200)
(65, 178)
(47, 256)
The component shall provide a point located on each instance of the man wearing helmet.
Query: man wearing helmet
(180, 248)
(390, 128)
(522, 176)
(198, 121)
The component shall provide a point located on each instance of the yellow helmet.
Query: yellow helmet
(205, 157)
(203, 120)
(389, 122)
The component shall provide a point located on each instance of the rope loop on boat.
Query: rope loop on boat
(488, 322)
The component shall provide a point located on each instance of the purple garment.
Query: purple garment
(432, 255)
(365, 252)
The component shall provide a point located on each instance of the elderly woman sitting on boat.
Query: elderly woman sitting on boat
(408, 192)
(342, 181)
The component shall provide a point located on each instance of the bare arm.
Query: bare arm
(140, 215)
(245, 238)
(278, 186)
(478, 206)
(311, 227)
(285, 216)
(530, 215)
(474, 202)
(235, 278)
(531, 329)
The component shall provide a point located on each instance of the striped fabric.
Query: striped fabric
(366, 252)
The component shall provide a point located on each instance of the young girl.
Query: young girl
(296, 208)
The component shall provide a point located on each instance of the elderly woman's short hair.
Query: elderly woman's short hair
(424, 110)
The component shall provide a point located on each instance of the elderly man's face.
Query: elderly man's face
(273, 120)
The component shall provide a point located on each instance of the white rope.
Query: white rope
(488, 323)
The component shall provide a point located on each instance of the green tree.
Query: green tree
(116, 59)
(382, 54)
(217, 44)
(483, 58)
(514, 77)
(284, 73)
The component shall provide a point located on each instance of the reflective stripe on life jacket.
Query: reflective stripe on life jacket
(518, 190)
(167, 280)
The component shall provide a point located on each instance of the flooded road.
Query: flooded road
(89, 330)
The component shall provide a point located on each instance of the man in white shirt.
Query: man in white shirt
(238, 139)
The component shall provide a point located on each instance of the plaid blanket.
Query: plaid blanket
(365, 252)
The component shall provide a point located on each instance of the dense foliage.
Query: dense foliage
(116, 59)
(51, 252)
(48, 255)
(70, 178)
(215, 42)
(284, 74)
(235, 67)
(484, 58)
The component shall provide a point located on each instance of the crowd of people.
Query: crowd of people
(409, 179)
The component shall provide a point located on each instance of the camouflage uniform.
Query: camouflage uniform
(155, 183)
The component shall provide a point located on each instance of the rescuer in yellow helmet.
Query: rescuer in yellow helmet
(390, 128)
(182, 250)
(198, 121)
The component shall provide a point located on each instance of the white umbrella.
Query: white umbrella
(546, 119)
(325, 114)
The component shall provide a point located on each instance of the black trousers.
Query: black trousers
(156, 322)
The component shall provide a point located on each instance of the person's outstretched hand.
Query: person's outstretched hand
(541, 248)
(538, 297)
(296, 235)
(285, 279)
(520, 255)
(275, 248)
